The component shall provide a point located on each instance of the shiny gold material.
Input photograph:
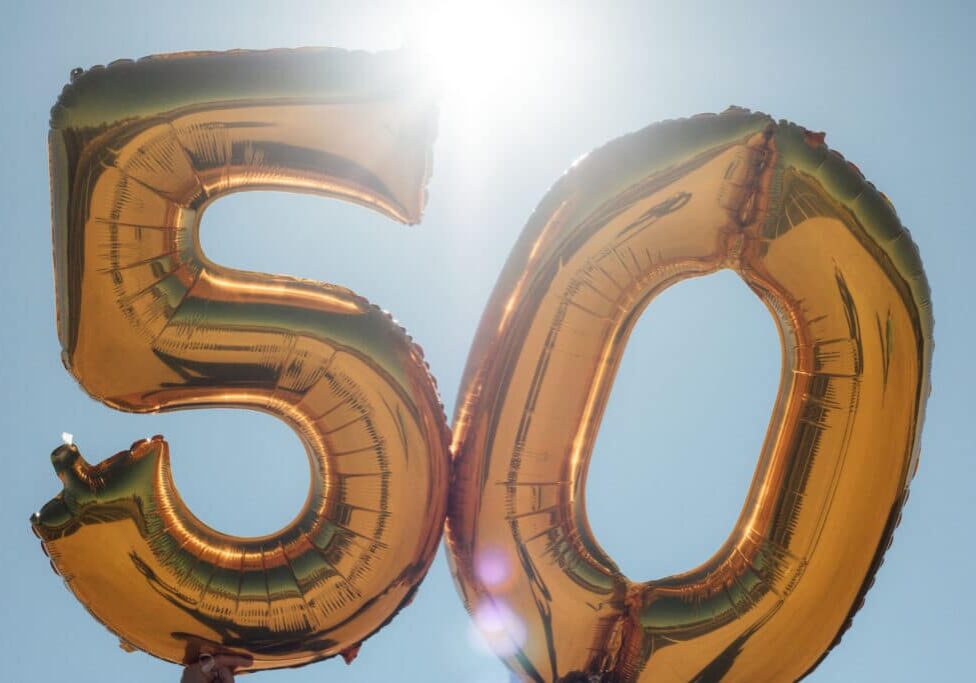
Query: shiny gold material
(147, 323)
(827, 254)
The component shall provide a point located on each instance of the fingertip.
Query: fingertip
(233, 660)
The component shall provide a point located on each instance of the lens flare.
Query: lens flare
(493, 567)
(497, 628)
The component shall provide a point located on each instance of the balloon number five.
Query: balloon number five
(147, 323)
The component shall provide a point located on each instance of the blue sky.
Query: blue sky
(890, 82)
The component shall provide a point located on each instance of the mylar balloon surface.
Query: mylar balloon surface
(842, 279)
(138, 151)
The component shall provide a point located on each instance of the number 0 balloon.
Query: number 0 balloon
(147, 323)
(844, 283)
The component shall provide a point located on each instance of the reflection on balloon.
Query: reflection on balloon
(147, 323)
(843, 281)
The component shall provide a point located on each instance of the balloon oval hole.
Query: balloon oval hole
(240, 472)
(685, 420)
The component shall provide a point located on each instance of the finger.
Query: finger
(192, 674)
(232, 661)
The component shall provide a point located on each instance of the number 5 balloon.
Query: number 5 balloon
(147, 323)
(844, 283)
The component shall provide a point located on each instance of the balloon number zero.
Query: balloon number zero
(148, 323)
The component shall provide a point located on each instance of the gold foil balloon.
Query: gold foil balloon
(147, 323)
(826, 253)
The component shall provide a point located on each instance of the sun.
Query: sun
(482, 57)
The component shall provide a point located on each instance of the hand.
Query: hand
(214, 669)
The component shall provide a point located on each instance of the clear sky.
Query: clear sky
(890, 82)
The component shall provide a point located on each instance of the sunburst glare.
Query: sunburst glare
(484, 58)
